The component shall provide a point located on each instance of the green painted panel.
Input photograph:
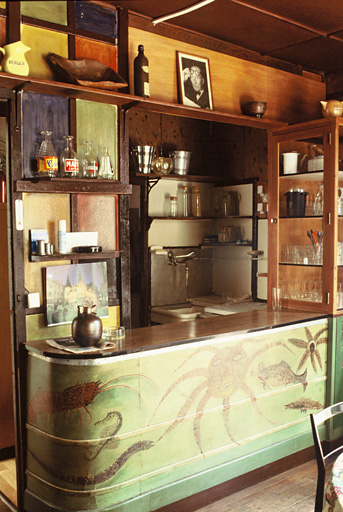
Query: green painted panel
(168, 415)
(55, 11)
(97, 122)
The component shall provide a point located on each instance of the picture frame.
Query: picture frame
(68, 286)
(194, 81)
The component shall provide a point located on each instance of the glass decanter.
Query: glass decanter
(47, 162)
(69, 159)
(106, 169)
(90, 164)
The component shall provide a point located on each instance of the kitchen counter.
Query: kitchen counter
(157, 336)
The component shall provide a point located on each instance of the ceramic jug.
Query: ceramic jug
(332, 108)
(14, 60)
(86, 327)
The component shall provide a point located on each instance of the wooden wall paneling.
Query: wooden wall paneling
(290, 98)
(6, 394)
(3, 33)
(42, 112)
(18, 289)
(124, 244)
(256, 155)
(97, 18)
(13, 22)
(123, 46)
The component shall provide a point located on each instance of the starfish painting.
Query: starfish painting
(310, 346)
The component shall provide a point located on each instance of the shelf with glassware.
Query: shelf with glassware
(306, 207)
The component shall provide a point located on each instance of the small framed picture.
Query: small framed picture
(194, 81)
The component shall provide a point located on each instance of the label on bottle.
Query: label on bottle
(145, 69)
(71, 166)
(92, 169)
(47, 164)
(146, 89)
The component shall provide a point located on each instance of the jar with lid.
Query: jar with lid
(173, 206)
(196, 201)
(47, 162)
(69, 159)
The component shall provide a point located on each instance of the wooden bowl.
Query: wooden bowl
(87, 72)
(254, 108)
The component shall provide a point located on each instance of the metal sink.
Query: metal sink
(167, 314)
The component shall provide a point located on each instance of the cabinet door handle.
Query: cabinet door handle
(273, 221)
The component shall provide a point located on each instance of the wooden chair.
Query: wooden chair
(323, 461)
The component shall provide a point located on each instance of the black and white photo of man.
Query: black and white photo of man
(194, 77)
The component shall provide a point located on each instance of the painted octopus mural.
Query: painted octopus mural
(232, 369)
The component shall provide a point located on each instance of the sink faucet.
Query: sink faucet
(182, 258)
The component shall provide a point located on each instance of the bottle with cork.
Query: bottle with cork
(141, 74)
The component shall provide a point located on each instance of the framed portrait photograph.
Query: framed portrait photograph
(194, 81)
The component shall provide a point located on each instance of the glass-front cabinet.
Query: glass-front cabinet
(306, 215)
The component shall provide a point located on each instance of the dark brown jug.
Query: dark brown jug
(86, 327)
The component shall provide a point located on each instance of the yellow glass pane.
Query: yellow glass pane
(42, 42)
(42, 211)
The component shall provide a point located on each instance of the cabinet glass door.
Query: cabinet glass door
(298, 231)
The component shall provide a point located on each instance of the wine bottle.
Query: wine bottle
(141, 74)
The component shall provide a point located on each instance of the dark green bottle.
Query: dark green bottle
(141, 74)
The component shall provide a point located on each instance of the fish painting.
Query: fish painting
(278, 375)
(305, 403)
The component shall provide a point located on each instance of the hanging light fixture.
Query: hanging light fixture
(186, 10)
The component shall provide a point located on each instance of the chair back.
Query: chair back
(323, 460)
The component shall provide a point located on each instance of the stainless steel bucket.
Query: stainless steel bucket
(143, 156)
(181, 161)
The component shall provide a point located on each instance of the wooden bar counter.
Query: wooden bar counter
(175, 410)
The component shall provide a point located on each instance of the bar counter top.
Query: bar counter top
(158, 336)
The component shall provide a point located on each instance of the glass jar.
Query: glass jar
(184, 201)
(106, 169)
(90, 161)
(173, 206)
(196, 201)
(318, 202)
(47, 162)
(69, 159)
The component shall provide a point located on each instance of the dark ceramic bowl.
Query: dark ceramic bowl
(254, 108)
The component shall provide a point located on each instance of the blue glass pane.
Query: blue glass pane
(42, 112)
(96, 18)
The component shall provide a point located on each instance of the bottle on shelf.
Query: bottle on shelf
(141, 74)
(318, 201)
(3, 194)
(173, 206)
(106, 169)
(62, 235)
(184, 201)
(47, 162)
(69, 159)
(90, 161)
(196, 201)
